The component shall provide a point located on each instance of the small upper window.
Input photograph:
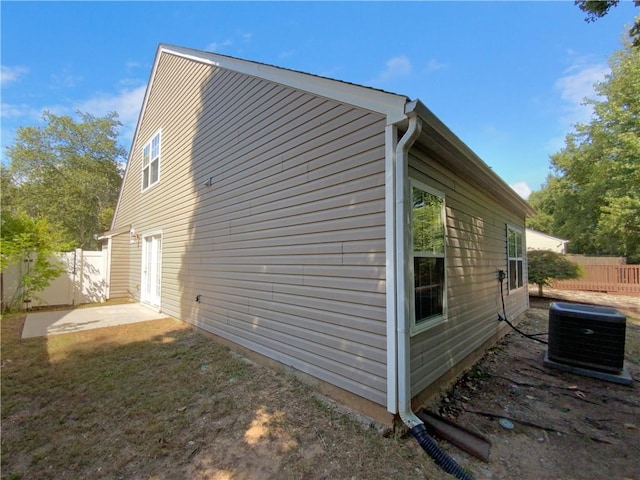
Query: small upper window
(515, 258)
(151, 162)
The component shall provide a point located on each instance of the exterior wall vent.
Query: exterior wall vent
(588, 340)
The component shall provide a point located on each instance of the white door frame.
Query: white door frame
(151, 269)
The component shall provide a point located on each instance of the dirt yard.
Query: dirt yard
(158, 400)
(565, 426)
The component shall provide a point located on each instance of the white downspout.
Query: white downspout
(402, 293)
(106, 277)
(403, 303)
(391, 138)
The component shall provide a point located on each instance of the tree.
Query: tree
(546, 266)
(30, 242)
(596, 9)
(544, 203)
(67, 172)
(592, 196)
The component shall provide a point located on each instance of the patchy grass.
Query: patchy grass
(158, 400)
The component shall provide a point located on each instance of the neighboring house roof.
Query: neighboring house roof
(436, 137)
(542, 241)
(546, 235)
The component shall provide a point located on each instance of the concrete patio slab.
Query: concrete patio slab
(56, 322)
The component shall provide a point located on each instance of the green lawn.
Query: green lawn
(159, 400)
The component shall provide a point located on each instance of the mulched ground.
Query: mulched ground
(565, 426)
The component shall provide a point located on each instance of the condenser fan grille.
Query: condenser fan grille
(587, 336)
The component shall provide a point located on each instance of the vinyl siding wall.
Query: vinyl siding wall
(286, 247)
(476, 249)
(119, 268)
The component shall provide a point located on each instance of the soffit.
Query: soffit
(443, 145)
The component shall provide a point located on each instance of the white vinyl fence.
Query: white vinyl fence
(83, 281)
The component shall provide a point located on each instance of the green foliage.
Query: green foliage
(29, 244)
(427, 222)
(546, 266)
(69, 173)
(593, 198)
(596, 9)
(544, 202)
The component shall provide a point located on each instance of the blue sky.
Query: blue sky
(507, 77)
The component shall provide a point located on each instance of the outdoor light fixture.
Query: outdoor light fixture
(133, 236)
(209, 182)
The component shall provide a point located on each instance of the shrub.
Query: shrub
(546, 266)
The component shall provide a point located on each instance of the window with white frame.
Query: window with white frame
(151, 162)
(515, 260)
(428, 256)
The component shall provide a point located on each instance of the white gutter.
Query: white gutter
(403, 303)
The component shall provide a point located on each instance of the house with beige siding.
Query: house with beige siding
(339, 230)
(542, 241)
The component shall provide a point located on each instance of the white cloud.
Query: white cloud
(11, 74)
(399, 66)
(434, 64)
(574, 86)
(65, 79)
(237, 39)
(555, 144)
(8, 110)
(492, 131)
(29, 113)
(286, 54)
(129, 82)
(127, 103)
(522, 189)
(216, 46)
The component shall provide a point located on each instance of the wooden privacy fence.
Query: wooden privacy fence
(622, 279)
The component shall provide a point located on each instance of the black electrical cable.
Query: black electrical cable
(504, 312)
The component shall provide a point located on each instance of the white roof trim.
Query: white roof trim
(389, 104)
(114, 233)
(396, 108)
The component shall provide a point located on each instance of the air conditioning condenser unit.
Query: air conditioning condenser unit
(587, 340)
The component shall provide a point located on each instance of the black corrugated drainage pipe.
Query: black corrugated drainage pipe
(440, 457)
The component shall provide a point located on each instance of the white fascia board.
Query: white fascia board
(389, 104)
